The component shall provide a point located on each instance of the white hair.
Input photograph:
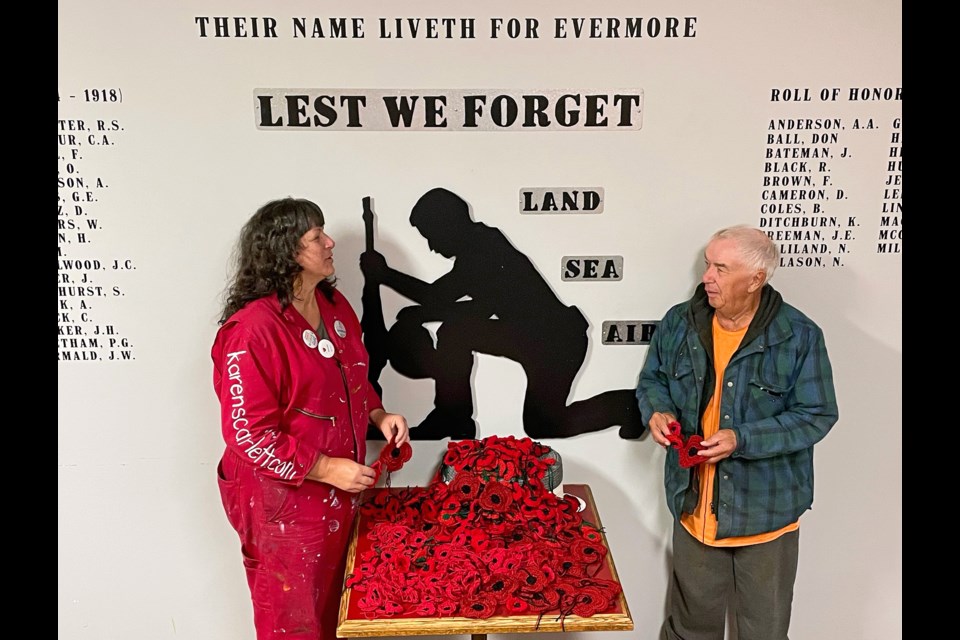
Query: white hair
(756, 248)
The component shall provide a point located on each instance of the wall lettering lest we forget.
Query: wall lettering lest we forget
(448, 110)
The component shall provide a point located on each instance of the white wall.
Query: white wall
(144, 548)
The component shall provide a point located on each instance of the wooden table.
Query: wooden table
(352, 622)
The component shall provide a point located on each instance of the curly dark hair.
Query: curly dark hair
(265, 255)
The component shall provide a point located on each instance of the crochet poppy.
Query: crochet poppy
(495, 497)
(501, 586)
(687, 449)
(391, 458)
(488, 539)
(465, 486)
(483, 606)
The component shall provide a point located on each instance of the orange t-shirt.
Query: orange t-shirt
(702, 523)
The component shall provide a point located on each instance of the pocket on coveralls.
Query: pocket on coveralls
(276, 498)
(230, 496)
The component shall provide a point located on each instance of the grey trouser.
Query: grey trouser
(759, 577)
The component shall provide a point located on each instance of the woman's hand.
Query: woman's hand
(393, 426)
(343, 473)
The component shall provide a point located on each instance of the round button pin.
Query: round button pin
(340, 329)
(326, 348)
(309, 338)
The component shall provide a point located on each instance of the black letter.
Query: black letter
(266, 113)
(295, 112)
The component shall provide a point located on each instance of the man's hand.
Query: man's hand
(659, 429)
(393, 426)
(343, 473)
(373, 265)
(719, 446)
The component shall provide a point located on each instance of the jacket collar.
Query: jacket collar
(700, 315)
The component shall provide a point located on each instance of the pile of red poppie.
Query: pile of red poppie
(492, 541)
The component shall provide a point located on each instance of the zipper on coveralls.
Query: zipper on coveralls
(346, 387)
(332, 419)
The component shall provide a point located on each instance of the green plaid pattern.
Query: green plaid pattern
(778, 397)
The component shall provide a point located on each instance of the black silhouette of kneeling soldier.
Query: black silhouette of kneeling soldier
(493, 301)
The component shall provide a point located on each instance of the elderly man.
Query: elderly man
(740, 368)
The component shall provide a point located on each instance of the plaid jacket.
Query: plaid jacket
(778, 397)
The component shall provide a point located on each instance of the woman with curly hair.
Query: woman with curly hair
(290, 370)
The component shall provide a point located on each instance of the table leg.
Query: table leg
(478, 636)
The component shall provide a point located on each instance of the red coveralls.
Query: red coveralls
(282, 404)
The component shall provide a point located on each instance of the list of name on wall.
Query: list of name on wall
(891, 208)
(811, 204)
(89, 285)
